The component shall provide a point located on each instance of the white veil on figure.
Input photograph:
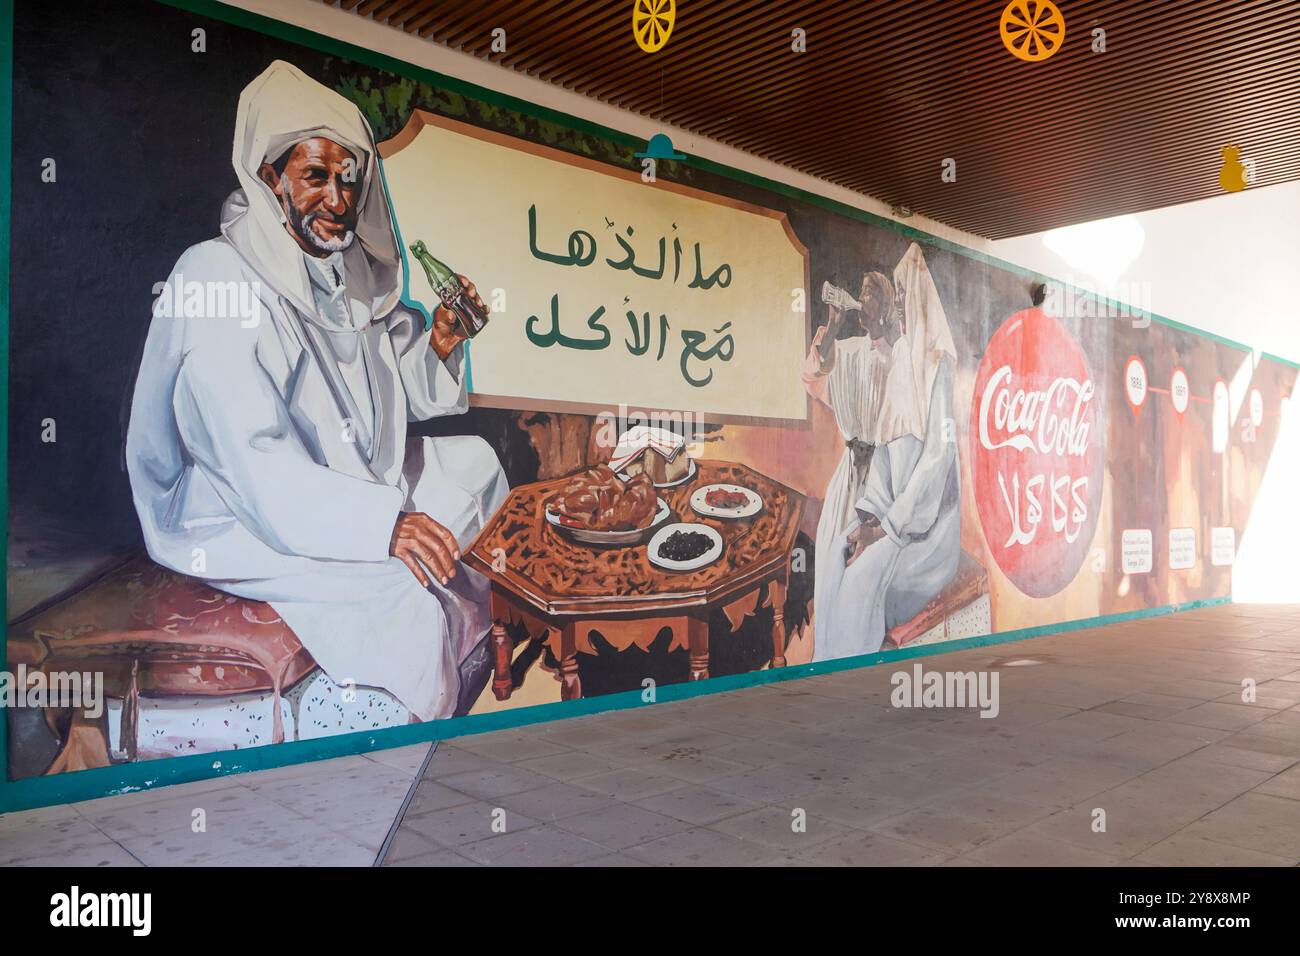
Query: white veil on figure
(913, 495)
(279, 109)
(905, 406)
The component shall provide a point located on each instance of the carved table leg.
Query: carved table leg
(567, 654)
(503, 684)
(697, 639)
(776, 600)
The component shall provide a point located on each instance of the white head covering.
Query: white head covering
(905, 405)
(278, 110)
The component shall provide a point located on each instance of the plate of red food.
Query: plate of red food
(598, 507)
(726, 501)
(684, 546)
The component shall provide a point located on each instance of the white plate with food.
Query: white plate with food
(585, 535)
(684, 546)
(597, 507)
(726, 501)
(690, 474)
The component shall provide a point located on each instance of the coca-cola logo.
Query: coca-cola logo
(1036, 452)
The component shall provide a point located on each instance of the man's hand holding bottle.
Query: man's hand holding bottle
(448, 331)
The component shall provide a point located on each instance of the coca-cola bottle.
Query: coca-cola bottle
(455, 299)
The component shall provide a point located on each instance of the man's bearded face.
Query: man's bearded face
(318, 191)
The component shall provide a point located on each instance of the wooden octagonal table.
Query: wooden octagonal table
(562, 591)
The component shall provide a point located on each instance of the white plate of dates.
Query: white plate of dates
(684, 546)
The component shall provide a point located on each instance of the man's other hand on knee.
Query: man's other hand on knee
(424, 546)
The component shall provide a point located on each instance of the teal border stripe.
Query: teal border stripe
(151, 774)
(1278, 358)
(41, 791)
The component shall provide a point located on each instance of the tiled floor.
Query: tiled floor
(329, 813)
(1143, 721)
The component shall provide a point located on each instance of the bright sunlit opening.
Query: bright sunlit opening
(1264, 571)
(1103, 249)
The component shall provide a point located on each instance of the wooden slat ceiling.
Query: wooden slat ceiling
(887, 91)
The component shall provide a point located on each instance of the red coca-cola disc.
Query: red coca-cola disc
(1036, 439)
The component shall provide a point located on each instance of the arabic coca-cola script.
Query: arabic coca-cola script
(1036, 455)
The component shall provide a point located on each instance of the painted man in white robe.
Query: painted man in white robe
(847, 374)
(267, 449)
(904, 545)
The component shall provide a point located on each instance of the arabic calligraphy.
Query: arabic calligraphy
(555, 336)
(639, 341)
(582, 250)
(691, 347)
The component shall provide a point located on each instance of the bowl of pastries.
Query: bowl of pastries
(598, 507)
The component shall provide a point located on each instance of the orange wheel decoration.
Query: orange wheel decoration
(1032, 29)
(652, 23)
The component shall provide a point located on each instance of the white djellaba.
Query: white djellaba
(912, 487)
(268, 454)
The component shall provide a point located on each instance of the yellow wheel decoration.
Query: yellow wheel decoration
(652, 23)
(1032, 29)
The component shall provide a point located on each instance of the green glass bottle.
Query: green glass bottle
(451, 293)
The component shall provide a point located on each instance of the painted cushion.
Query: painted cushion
(180, 634)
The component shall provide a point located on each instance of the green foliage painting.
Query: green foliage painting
(387, 101)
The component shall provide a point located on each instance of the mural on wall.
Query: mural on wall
(432, 409)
